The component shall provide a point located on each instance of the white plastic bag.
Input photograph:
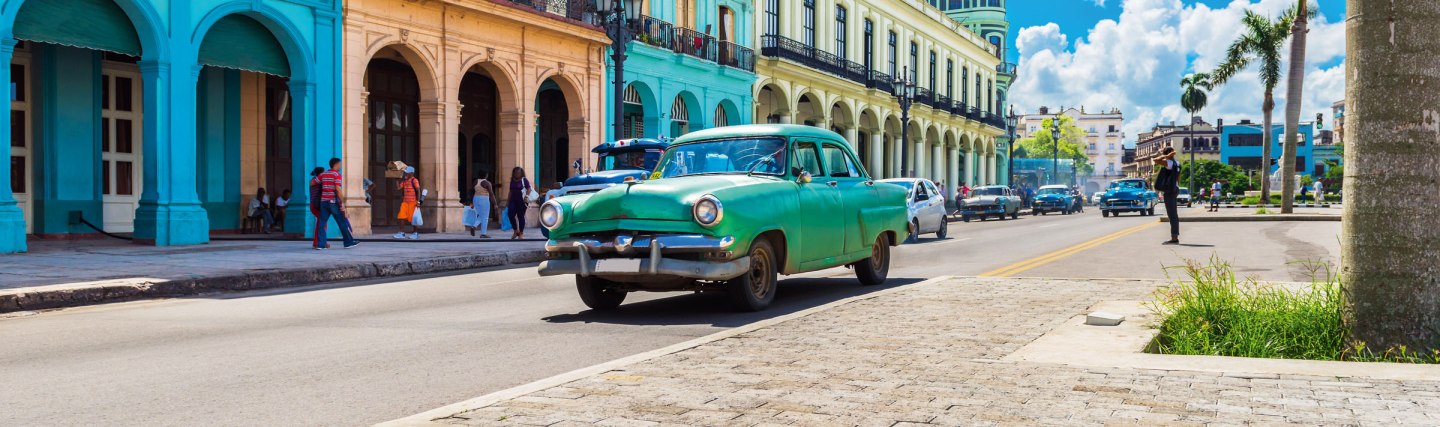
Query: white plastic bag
(417, 220)
(471, 218)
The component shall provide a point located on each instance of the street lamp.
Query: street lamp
(906, 97)
(1055, 153)
(615, 16)
(1010, 121)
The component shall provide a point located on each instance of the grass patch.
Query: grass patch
(1214, 312)
(1262, 211)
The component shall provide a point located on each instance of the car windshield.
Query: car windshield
(758, 155)
(630, 159)
(1044, 191)
(1126, 185)
(1184, 191)
(988, 191)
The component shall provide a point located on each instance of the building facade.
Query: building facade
(1104, 142)
(1242, 146)
(988, 19)
(835, 64)
(1202, 138)
(156, 117)
(464, 89)
(690, 66)
(1337, 112)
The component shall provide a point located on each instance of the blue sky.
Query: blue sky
(1131, 54)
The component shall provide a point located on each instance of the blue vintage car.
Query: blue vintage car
(1128, 195)
(1054, 198)
(619, 160)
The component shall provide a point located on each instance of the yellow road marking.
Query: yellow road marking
(1017, 268)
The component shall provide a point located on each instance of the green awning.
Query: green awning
(90, 24)
(242, 43)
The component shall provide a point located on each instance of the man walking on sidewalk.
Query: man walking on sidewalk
(331, 205)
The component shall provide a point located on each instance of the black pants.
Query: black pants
(1171, 207)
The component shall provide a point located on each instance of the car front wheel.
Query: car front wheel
(598, 293)
(944, 228)
(754, 290)
(873, 270)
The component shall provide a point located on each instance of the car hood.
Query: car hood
(605, 177)
(983, 200)
(668, 199)
(1050, 197)
(1124, 194)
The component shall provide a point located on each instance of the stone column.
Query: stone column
(990, 169)
(170, 212)
(970, 167)
(12, 219)
(877, 155)
(917, 160)
(937, 163)
(512, 130)
(953, 174)
(305, 151)
(852, 135)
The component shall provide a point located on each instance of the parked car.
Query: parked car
(728, 209)
(991, 200)
(1053, 198)
(1128, 195)
(1183, 198)
(1095, 198)
(620, 160)
(926, 207)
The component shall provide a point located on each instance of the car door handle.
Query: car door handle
(870, 183)
(832, 183)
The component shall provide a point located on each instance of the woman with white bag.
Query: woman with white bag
(410, 206)
(481, 204)
(520, 191)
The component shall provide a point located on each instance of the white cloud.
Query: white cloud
(1135, 64)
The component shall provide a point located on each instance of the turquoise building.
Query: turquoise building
(147, 116)
(690, 66)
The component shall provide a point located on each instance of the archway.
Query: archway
(842, 121)
(552, 138)
(393, 130)
(640, 112)
(892, 147)
(684, 115)
(479, 130)
(808, 110)
(870, 135)
(772, 104)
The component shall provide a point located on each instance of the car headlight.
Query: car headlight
(551, 215)
(708, 210)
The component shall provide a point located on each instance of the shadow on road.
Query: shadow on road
(714, 308)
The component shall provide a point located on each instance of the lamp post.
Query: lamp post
(1010, 122)
(1055, 153)
(905, 97)
(615, 16)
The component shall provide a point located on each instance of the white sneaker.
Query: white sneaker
(415, 236)
(400, 235)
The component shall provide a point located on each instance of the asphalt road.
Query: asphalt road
(366, 352)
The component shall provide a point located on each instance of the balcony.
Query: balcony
(579, 10)
(659, 33)
(1006, 68)
(775, 46)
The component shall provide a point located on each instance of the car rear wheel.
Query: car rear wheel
(1104, 214)
(944, 228)
(754, 290)
(1015, 215)
(873, 270)
(914, 231)
(598, 294)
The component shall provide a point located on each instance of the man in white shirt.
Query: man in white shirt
(260, 208)
(1319, 192)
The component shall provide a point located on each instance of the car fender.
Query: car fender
(879, 219)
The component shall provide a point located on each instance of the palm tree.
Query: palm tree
(1387, 247)
(1261, 41)
(1193, 99)
(1293, 101)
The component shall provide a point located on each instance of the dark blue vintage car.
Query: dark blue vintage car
(1128, 195)
(1053, 198)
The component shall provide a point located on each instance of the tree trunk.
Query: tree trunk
(1293, 102)
(1390, 246)
(1269, 140)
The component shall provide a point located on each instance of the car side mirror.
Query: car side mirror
(921, 197)
(804, 177)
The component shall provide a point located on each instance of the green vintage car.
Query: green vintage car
(728, 209)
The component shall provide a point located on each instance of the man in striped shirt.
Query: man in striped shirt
(331, 205)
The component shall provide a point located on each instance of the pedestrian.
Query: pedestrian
(260, 209)
(1167, 182)
(1304, 191)
(281, 203)
(515, 207)
(1215, 190)
(315, 191)
(409, 187)
(964, 190)
(1319, 191)
(483, 202)
(332, 204)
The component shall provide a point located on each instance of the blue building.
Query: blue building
(689, 67)
(1242, 146)
(131, 114)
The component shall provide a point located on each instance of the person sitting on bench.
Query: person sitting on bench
(260, 208)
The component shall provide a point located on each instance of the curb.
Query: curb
(1259, 218)
(66, 296)
(429, 418)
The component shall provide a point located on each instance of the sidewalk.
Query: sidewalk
(1248, 214)
(57, 274)
(932, 354)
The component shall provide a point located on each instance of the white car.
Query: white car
(1095, 198)
(926, 205)
(1183, 198)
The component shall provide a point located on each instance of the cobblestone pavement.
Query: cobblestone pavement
(930, 355)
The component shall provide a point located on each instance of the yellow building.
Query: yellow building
(464, 88)
(833, 64)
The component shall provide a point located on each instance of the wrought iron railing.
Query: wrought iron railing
(694, 43)
(780, 47)
(652, 31)
(1006, 68)
(736, 56)
(880, 81)
(924, 96)
(579, 10)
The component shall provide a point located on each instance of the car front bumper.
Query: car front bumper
(1122, 205)
(981, 210)
(629, 255)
